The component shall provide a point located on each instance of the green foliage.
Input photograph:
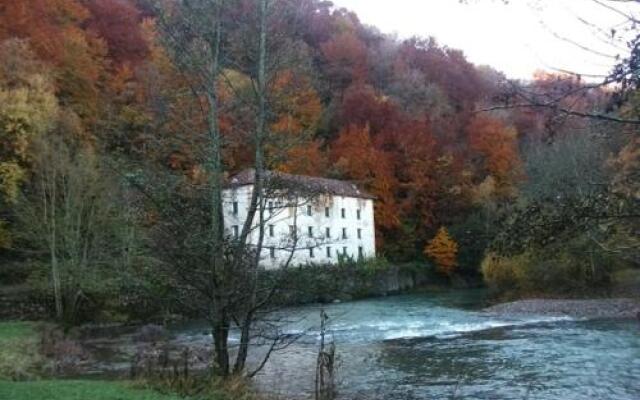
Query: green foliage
(473, 234)
(77, 218)
(369, 266)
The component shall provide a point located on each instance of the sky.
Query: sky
(517, 38)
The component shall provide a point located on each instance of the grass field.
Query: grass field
(23, 375)
(12, 331)
(19, 356)
(77, 390)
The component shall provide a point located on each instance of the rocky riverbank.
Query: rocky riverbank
(589, 309)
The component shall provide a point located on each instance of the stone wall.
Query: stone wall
(350, 282)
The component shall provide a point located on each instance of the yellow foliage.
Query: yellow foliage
(28, 109)
(11, 176)
(500, 272)
(443, 249)
(627, 167)
(5, 236)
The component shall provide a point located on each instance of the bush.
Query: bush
(572, 268)
(500, 272)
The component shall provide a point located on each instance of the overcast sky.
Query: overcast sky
(517, 38)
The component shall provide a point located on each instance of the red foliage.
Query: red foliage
(361, 105)
(346, 56)
(118, 23)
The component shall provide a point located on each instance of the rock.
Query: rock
(589, 309)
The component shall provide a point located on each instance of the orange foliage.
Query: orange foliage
(443, 250)
(296, 103)
(347, 58)
(297, 108)
(497, 143)
(54, 28)
(305, 159)
(356, 157)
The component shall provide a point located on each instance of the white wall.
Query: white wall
(282, 218)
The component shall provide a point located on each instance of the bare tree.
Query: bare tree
(219, 276)
(71, 215)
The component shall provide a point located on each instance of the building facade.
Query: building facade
(307, 220)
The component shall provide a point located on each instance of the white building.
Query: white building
(312, 220)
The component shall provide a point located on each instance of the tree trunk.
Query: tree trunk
(257, 200)
(220, 334)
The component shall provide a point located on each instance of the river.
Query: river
(442, 346)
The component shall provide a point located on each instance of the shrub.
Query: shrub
(571, 268)
(501, 273)
(443, 250)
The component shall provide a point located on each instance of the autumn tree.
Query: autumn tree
(119, 24)
(497, 144)
(443, 250)
(346, 57)
(356, 158)
(28, 111)
(292, 146)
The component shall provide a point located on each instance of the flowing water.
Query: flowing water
(443, 346)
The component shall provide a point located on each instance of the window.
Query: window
(310, 231)
(359, 233)
(358, 214)
(272, 252)
(270, 205)
(311, 255)
(235, 208)
(360, 252)
(236, 232)
(328, 251)
(326, 212)
(343, 212)
(309, 211)
(344, 233)
(344, 251)
(271, 231)
(327, 233)
(292, 230)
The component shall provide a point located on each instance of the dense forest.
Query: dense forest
(122, 121)
(533, 183)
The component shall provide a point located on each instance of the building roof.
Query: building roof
(301, 183)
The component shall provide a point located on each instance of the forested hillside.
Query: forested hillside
(95, 98)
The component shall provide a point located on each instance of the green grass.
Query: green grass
(19, 356)
(13, 331)
(77, 390)
(22, 369)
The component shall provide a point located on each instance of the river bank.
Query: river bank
(584, 309)
(419, 346)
